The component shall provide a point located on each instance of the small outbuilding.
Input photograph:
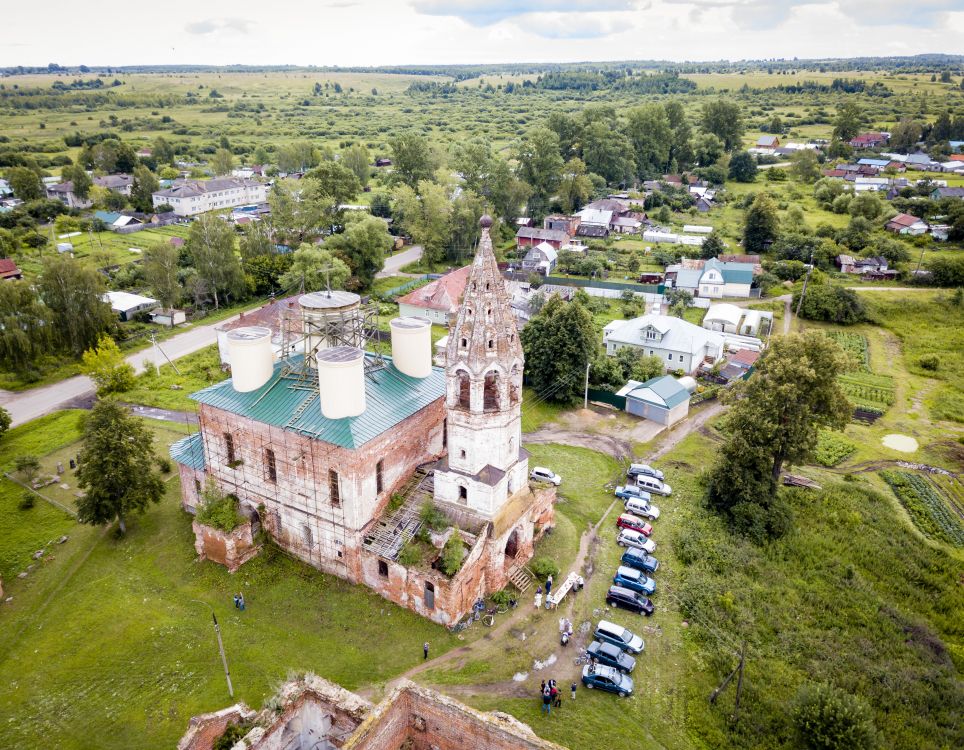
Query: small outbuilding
(723, 317)
(664, 400)
(168, 317)
(127, 305)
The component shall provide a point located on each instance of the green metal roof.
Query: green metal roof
(733, 273)
(189, 451)
(390, 397)
(666, 387)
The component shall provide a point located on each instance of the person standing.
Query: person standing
(237, 602)
(554, 694)
(548, 585)
(241, 602)
(547, 701)
(425, 651)
(538, 597)
(572, 687)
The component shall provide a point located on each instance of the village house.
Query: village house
(664, 399)
(869, 140)
(64, 192)
(316, 446)
(562, 223)
(948, 192)
(725, 279)
(128, 305)
(9, 270)
(439, 300)
(541, 258)
(906, 224)
(118, 183)
(768, 141)
(193, 197)
(529, 236)
(679, 343)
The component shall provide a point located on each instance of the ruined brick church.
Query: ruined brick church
(335, 452)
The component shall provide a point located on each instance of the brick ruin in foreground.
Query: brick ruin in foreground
(334, 452)
(311, 713)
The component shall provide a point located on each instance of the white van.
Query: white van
(610, 632)
(642, 509)
(655, 486)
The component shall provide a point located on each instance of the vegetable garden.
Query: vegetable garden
(855, 345)
(926, 507)
(867, 391)
(832, 448)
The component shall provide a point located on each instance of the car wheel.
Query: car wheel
(589, 686)
(622, 693)
(610, 602)
(621, 544)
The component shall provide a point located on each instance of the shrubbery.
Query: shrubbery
(832, 448)
(833, 304)
(217, 509)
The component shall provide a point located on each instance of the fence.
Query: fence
(595, 287)
(607, 397)
(409, 285)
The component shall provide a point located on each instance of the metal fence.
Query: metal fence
(607, 397)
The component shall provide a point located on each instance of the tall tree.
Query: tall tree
(297, 156)
(846, 126)
(708, 149)
(210, 243)
(426, 216)
(256, 240)
(413, 159)
(143, 186)
(712, 246)
(336, 181)
(775, 421)
(297, 218)
(116, 467)
(161, 271)
(506, 192)
(313, 268)
(558, 343)
(540, 166)
(575, 187)
(81, 181)
(359, 161)
(762, 224)
(222, 162)
(651, 137)
(162, 150)
(26, 325)
(605, 152)
(905, 135)
(681, 150)
(472, 161)
(25, 183)
(725, 120)
(805, 165)
(742, 167)
(569, 129)
(362, 246)
(74, 295)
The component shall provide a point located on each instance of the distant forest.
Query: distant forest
(909, 64)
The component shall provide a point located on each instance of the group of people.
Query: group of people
(577, 586)
(239, 601)
(551, 696)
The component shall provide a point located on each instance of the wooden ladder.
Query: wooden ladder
(520, 577)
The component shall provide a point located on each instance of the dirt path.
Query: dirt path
(678, 433)
(616, 447)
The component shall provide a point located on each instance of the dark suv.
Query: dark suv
(611, 656)
(617, 596)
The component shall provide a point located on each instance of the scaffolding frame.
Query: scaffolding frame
(391, 532)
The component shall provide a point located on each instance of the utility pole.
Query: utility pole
(585, 404)
(224, 659)
(803, 292)
(919, 261)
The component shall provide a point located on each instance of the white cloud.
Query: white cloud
(214, 25)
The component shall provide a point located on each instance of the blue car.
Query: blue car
(631, 492)
(634, 580)
(638, 559)
(608, 679)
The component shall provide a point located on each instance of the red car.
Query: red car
(629, 521)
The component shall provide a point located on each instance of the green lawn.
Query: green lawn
(169, 390)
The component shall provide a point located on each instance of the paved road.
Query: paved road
(394, 263)
(26, 405)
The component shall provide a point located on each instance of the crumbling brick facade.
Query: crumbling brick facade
(229, 548)
(311, 713)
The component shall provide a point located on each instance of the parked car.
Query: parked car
(645, 470)
(630, 538)
(638, 559)
(629, 521)
(608, 679)
(654, 486)
(634, 580)
(610, 632)
(617, 596)
(611, 655)
(642, 509)
(542, 474)
(631, 491)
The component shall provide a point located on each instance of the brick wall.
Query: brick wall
(229, 548)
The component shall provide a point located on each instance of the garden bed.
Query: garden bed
(926, 508)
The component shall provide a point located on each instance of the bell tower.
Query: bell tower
(486, 462)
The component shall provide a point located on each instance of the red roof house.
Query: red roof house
(438, 300)
(9, 270)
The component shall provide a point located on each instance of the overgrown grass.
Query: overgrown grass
(167, 389)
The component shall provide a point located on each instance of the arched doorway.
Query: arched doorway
(512, 544)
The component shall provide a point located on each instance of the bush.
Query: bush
(433, 517)
(218, 510)
(410, 555)
(452, 554)
(827, 718)
(543, 567)
(27, 500)
(833, 304)
(832, 448)
(501, 598)
(930, 362)
(164, 464)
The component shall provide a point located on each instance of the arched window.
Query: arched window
(464, 343)
(491, 343)
(307, 536)
(463, 494)
(490, 392)
(465, 390)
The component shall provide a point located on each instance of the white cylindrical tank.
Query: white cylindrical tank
(251, 356)
(341, 381)
(689, 383)
(331, 319)
(412, 346)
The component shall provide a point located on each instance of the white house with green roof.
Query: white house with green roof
(664, 400)
(680, 344)
(724, 279)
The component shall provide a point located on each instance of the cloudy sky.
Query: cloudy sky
(379, 32)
